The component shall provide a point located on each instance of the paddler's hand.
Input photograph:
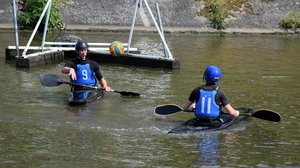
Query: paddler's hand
(72, 74)
(231, 111)
(106, 89)
(192, 108)
(237, 113)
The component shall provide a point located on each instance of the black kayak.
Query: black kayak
(228, 120)
(83, 97)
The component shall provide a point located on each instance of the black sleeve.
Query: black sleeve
(222, 97)
(71, 64)
(95, 68)
(194, 96)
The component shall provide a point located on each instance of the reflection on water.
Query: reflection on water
(40, 129)
(209, 151)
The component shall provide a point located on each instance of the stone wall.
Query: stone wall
(6, 12)
(174, 13)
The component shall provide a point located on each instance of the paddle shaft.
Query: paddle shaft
(123, 93)
(51, 80)
(243, 114)
(94, 87)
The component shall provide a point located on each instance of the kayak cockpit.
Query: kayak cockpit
(191, 126)
(83, 97)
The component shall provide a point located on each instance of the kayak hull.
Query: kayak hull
(83, 97)
(228, 120)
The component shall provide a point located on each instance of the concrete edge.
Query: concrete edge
(171, 30)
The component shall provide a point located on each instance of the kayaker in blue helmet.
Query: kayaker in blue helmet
(207, 100)
(84, 71)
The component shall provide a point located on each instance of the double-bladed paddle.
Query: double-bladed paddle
(51, 80)
(171, 109)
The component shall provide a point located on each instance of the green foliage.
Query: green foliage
(218, 14)
(217, 11)
(292, 21)
(32, 11)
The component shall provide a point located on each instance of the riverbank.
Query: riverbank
(172, 30)
(262, 17)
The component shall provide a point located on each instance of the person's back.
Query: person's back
(207, 100)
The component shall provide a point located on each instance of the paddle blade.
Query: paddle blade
(127, 94)
(131, 94)
(50, 80)
(167, 109)
(267, 115)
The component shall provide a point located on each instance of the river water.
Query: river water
(39, 128)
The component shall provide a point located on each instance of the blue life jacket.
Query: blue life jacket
(206, 105)
(84, 75)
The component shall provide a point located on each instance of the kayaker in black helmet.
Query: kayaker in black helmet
(84, 71)
(207, 100)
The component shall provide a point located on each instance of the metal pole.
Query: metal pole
(46, 26)
(141, 3)
(132, 25)
(159, 32)
(161, 27)
(36, 27)
(16, 28)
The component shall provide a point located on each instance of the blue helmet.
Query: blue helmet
(212, 73)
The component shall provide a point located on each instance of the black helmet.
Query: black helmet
(80, 45)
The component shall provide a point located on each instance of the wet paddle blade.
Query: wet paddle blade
(267, 115)
(129, 94)
(126, 93)
(167, 109)
(50, 80)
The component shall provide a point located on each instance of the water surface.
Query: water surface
(39, 128)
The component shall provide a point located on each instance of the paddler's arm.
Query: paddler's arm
(70, 71)
(231, 111)
(188, 106)
(103, 83)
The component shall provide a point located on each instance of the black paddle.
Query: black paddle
(167, 109)
(51, 80)
(171, 109)
(265, 114)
